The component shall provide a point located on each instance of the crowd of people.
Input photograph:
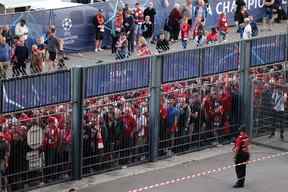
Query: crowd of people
(132, 29)
(135, 26)
(17, 54)
(35, 147)
(194, 114)
(270, 103)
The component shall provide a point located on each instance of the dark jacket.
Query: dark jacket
(147, 29)
(21, 53)
(150, 12)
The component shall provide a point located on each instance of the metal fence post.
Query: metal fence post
(251, 106)
(245, 51)
(155, 91)
(77, 111)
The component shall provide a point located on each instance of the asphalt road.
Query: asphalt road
(263, 176)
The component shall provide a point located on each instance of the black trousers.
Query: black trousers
(115, 38)
(279, 117)
(241, 157)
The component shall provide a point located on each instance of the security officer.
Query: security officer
(241, 150)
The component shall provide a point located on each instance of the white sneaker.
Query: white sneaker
(100, 49)
(96, 50)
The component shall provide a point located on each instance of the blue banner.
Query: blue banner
(116, 77)
(180, 66)
(221, 58)
(268, 50)
(35, 91)
(75, 24)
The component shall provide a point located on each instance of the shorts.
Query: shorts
(268, 13)
(99, 35)
(52, 56)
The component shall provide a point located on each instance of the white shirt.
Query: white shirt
(141, 124)
(247, 34)
(279, 100)
(19, 31)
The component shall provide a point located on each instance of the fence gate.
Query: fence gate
(38, 147)
(270, 109)
(199, 113)
(115, 131)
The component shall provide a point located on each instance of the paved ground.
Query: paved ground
(263, 176)
(266, 176)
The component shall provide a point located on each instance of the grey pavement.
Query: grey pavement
(263, 176)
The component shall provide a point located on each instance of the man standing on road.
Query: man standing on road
(242, 155)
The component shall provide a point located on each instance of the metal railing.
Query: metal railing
(131, 95)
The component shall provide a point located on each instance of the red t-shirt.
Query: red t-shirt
(52, 137)
(226, 100)
(129, 124)
(212, 37)
(223, 24)
(208, 106)
(185, 31)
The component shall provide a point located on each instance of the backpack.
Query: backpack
(3, 149)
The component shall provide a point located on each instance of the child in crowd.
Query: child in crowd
(185, 29)
(254, 26)
(223, 26)
(122, 46)
(212, 37)
(162, 43)
(199, 32)
(143, 50)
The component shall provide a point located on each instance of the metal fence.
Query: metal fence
(128, 112)
(197, 115)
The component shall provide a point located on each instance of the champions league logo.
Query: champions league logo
(67, 24)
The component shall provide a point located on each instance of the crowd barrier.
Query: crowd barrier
(127, 112)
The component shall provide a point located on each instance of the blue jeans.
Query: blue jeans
(184, 44)
(138, 32)
(268, 13)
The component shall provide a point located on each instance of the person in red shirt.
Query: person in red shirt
(139, 20)
(199, 32)
(223, 26)
(118, 26)
(143, 50)
(185, 29)
(50, 144)
(129, 123)
(212, 37)
(242, 155)
(100, 29)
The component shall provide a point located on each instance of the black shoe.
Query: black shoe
(282, 138)
(238, 185)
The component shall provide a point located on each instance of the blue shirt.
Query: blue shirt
(172, 114)
(5, 52)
